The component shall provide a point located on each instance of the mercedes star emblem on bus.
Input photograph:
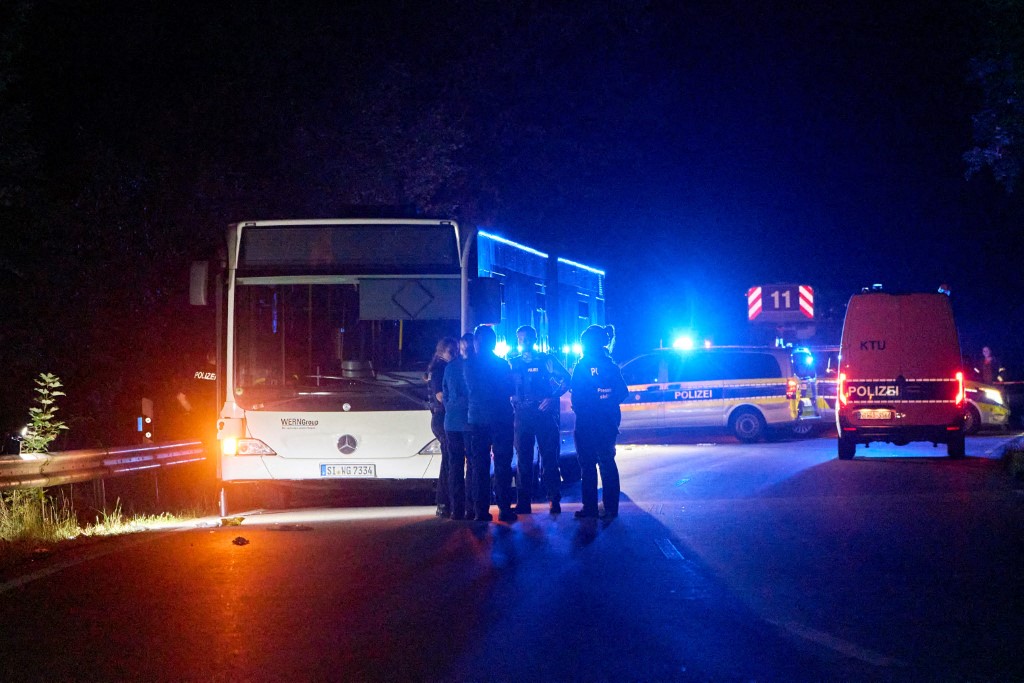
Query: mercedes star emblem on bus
(347, 444)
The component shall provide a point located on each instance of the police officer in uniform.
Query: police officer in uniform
(539, 381)
(489, 381)
(597, 391)
(192, 414)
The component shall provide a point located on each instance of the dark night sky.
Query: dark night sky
(690, 149)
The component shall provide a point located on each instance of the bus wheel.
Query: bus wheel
(972, 420)
(955, 447)
(847, 448)
(748, 425)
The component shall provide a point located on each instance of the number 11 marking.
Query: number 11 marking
(785, 295)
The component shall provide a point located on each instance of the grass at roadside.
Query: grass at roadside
(1013, 458)
(34, 525)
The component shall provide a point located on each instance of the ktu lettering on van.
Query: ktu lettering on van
(873, 345)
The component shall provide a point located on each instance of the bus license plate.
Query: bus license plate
(351, 471)
(875, 414)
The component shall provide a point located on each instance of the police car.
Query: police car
(745, 389)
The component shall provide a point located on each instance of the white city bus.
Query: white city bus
(327, 327)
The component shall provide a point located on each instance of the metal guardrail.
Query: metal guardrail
(70, 467)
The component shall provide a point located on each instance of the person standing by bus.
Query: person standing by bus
(539, 381)
(489, 380)
(597, 391)
(455, 396)
(446, 350)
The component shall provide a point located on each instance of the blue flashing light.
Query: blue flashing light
(501, 349)
(684, 343)
(566, 349)
(510, 243)
(574, 264)
(577, 349)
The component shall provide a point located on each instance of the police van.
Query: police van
(900, 373)
(746, 389)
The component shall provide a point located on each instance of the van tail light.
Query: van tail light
(841, 389)
(960, 388)
(791, 388)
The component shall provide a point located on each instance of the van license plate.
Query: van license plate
(875, 414)
(349, 471)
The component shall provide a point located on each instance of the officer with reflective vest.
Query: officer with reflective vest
(539, 382)
(597, 391)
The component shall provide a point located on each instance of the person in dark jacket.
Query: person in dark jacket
(489, 380)
(446, 350)
(539, 381)
(455, 396)
(597, 391)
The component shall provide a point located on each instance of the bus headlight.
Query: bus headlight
(432, 448)
(233, 446)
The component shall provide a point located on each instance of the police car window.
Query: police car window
(642, 370)
(694, 367)
(749, 366)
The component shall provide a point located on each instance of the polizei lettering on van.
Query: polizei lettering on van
(872, 391)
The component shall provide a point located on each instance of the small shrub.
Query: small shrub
(44, 426)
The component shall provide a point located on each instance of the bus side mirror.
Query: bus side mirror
(199, 283)
(485, 300)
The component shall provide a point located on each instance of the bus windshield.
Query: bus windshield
(305, 347)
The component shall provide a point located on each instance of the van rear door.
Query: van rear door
(872, 348)
(927, 330)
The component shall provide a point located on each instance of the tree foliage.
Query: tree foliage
(999, 72)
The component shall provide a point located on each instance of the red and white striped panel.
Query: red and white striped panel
(753, 302)
(807, 301)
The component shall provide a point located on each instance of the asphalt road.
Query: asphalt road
(771, 562)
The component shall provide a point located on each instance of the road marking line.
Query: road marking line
(838, 644)
(670, 551)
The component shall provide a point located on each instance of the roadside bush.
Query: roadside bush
(28, 514)
(1014, 460)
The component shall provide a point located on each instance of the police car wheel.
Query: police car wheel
(748, 425)
(972, 420)
(803, 428)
